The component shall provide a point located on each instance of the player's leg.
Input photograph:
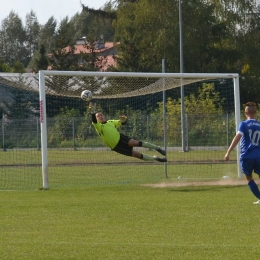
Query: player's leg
(257, 171)
(146, 157)
(136, 143)
(247, 166)
(124, 148)
(254, 188)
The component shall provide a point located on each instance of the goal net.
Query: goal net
(63, 149)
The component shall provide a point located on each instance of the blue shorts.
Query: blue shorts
(248, 166)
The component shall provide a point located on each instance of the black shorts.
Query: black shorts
(122, 146)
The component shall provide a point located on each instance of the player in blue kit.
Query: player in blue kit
(249, 136)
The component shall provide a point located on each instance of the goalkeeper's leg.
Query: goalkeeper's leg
(136, 143)
(125, 147)
(146, 157)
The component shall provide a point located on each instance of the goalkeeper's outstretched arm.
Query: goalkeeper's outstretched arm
(92, 108)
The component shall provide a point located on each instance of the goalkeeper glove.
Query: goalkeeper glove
(123, 119)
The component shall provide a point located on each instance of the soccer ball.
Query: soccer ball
(86, 95)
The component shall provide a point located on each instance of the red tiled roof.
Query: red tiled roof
(81, 48)
(106, 62)
(104, 53)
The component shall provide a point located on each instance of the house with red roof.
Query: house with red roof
(106, 51)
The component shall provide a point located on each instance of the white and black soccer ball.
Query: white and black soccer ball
(86, 95)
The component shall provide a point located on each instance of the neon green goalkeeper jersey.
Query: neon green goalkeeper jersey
(108, 132)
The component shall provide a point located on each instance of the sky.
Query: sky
(44, 9)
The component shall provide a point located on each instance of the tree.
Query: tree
(111, 14)
(47, 35)
(148, 33)
(4, 67)
(32, 29)
(200, 108)
(23, 105)
(40, 60)
(18, 67)
(12, 38)
(153, 29)
(131, 51)
(210, 34)
(63, 123)
(61, 57)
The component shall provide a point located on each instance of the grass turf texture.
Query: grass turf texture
(130, 222)
(21, 169)
(70, 156)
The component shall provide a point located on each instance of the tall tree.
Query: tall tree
(98, 21)
(12, 38)
(208, 40)
(32, 29)
(23, 105)
(150, 28)
(47, 35)
(40, 60)
(210, 34)
(62, 58)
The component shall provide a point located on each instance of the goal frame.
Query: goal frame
(42, 102)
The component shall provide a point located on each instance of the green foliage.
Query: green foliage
(47, 34)
(64, 122)
(130, 50)
(39, 61)
(12, 38)
(136, 125)
(4, 67)
(84, 131)
(207, 100)
(18, 67)
(23, 105)
(63, 56)
(32, 30)
(150, 32)
(141, 29)
(218, 36)
(100, 13)
(19, 133)
(201, 111)
(61, 59)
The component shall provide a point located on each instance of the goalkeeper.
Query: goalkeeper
(118, 142)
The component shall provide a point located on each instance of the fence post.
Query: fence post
(73, 132)
(38, 133)
(3, 131)
(227, 118)
(147, 127)
(187, 132)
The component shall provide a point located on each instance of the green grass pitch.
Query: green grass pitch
(21, 169)
(130, 221)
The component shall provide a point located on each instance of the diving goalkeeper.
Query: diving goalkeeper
(108, 132)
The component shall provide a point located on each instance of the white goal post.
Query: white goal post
(151, 87)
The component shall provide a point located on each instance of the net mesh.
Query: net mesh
(76, 154)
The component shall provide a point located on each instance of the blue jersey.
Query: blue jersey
(250, 140)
